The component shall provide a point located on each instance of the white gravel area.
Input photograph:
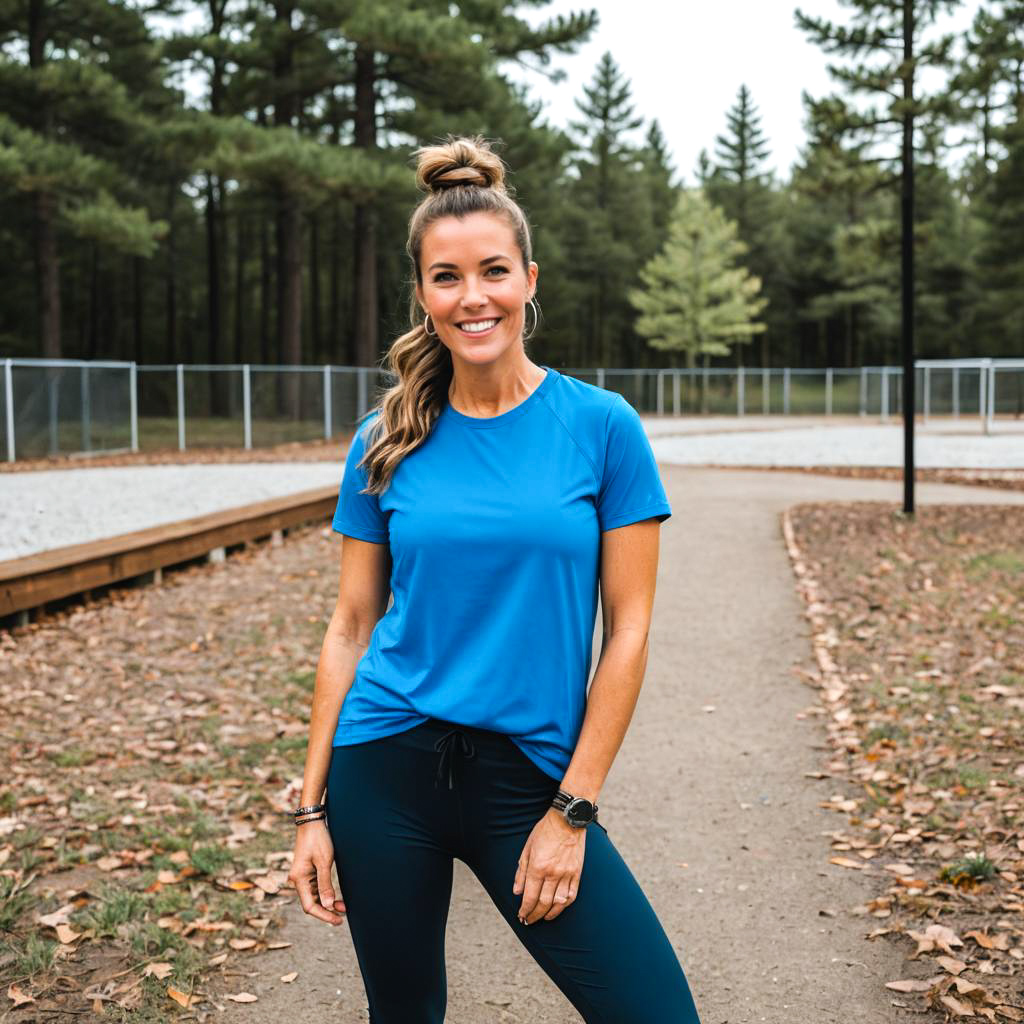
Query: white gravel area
(53, 508)
(841, 446)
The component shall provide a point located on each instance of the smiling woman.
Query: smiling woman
(491, 497)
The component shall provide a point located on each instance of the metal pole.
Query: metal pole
(247, 403)
(982, 400)
(600, 376)
(661, 397)
(675, 393)
(828, 391)
(86, 409)
(133, 380)
(766, 386)
(361, 391)
(785, 391)
(740, 401)
(927, 396)
(885, 393)
(327, 402)
(956, 392)
(991, 397)
(863, 391)
(181, 407)
(9, 407)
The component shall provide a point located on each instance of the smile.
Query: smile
(478, 327)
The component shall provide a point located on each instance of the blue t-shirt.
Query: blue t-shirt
(494, 527)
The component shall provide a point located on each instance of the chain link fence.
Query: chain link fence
(66, 406)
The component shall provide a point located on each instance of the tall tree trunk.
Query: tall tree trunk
(170, 283)
(365, 305)
(241, 248)
(315, 333)
(44, 205)
(138, 303)
(94, 301)
(266, 288)
(336, 350)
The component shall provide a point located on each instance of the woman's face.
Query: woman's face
(473, 277)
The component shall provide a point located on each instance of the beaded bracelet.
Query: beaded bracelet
(298, 812)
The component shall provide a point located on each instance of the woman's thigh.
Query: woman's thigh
(391, 848)
(606, 951)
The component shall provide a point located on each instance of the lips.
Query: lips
(472, 328)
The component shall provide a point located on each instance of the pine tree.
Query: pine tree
(696, 298)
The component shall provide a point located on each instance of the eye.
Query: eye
(447, 273)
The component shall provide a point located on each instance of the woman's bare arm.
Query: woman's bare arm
(363, 592)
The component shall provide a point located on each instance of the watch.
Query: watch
(577, 810)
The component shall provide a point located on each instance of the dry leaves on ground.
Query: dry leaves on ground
(154, 742)
(918, 633)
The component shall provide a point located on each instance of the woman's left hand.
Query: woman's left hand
(549, 868)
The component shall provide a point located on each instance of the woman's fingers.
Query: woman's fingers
(316, 894)
(565, 893)
(545, 889)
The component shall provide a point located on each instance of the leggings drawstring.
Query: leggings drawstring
(449, 744)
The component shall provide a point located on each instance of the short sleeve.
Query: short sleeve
(359, 515)
(631, 487)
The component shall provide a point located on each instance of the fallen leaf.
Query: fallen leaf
(243, 997)
(911, 985)
(159, 971)
(20, 998)
(241, 943)
(289, 978)
(181, 999)
(67, 934)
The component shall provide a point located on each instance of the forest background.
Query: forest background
(231, 182)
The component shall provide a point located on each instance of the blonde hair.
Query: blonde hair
(460, 176)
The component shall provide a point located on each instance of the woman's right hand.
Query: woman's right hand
(311, 873)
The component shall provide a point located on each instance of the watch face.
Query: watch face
(580, 812)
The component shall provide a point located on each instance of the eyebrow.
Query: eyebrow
(453, 266)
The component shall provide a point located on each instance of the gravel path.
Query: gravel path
(54, 508)
(711, 808)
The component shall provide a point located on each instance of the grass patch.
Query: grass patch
(32, 956)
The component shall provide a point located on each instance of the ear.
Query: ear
(531, 280)
(419, 297)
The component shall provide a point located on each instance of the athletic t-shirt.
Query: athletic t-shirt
(494, 527)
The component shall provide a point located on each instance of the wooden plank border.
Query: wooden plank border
(34, 580)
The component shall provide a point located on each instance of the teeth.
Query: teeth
(483, 325)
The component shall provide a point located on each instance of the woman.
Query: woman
(489, 495)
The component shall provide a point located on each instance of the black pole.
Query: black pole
(907, 252)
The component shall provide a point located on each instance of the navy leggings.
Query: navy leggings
(402, 807)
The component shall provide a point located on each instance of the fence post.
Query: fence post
(181, 406)
(85, 397)
(247, 403)
(863, 391)
(675, 393)
(982, 398)
(661, 397)
(9, 407)
(134, 379)
(885, 393)
(740, 397)
(956, 392)
(785, 391)
(361, 391)
(926, 397)
(990, 418)
(828, 390)
(766, 386)
(600, 376)
(328, 424)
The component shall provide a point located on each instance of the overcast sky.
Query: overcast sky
(686, 62)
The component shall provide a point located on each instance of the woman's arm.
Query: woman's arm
(629, 567)
(363, 594)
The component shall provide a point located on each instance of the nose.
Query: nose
(473, 295)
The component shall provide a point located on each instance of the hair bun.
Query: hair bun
(460, 160)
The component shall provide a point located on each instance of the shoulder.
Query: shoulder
(588, 415)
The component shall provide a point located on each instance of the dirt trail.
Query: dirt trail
(711, 809)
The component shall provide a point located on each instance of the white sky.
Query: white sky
(686, 62)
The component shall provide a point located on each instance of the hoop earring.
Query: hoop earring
(429, 333)
(536, 319)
